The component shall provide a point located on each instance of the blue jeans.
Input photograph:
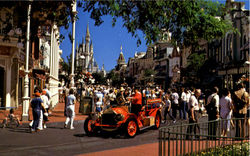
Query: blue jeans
(183, 113)
(166, 112)
(98, 109)
(36, 116)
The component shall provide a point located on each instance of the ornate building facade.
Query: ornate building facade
(30, 53)
(85, 61)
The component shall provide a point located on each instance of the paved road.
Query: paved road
(55, 140)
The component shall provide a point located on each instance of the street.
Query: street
(58, 141)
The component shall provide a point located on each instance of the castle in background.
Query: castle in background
(84, 55)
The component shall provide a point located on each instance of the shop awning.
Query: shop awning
(39, 74)
(22, 73)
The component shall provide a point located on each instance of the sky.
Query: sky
(106, 39)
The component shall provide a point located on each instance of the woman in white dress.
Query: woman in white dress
(226, 107)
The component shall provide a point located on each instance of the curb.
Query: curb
(51, 124)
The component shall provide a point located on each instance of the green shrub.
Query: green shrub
(236, 150)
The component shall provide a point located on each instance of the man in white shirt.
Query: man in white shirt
(213, 111)
(99, 95)
(175, 102)
(183, 104)
(193, 112)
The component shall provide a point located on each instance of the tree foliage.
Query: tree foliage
(187, 20)
(149, 72)
(115, 78)
(99, 78)
(43, 13)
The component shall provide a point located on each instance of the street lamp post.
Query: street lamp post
(26, 97)
(74, 12)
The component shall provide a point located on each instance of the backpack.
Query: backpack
(211, 107)
(240, 103)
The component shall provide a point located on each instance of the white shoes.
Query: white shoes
(44, 126)
(72, 128)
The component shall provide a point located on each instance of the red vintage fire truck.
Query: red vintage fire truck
(120, 118)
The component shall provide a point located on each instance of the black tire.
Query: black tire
(131, 128)
(157, 121)
(89, 128)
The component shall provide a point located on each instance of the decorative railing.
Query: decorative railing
(208, 139)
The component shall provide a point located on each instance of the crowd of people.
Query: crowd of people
(182, 103)
(185, 103)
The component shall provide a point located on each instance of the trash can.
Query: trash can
(86, 105)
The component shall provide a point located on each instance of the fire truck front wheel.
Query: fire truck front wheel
(89, 126)
(131, 128)
(157, 121)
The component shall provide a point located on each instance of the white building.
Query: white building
(85, 60)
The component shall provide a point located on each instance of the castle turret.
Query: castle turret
(87, 51)
(103, 70)
(91, 48)
(121, 59)
(87, 39)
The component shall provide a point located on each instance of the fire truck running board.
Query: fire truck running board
(145, 127)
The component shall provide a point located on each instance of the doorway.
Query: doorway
(1, 87)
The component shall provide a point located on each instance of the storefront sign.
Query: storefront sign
(232, 71)
(221, 72)
(243, 70)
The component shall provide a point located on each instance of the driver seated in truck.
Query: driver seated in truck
(120, 97)
(136, 104)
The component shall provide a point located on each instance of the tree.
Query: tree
(195, 62)
(99, 78)
(187, 20)
(43, 13)
(115, 78)
(149, 72)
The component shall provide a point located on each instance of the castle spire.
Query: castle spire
(91, 47)
(121, 59)
(103, 67)
(87, 31)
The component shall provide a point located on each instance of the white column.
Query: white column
(8, 83)
(26, 80)
(51, 51)
(74, 12)
(57, 60)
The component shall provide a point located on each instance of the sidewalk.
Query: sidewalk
(139, 150)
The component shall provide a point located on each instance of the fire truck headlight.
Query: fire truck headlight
(119, 117)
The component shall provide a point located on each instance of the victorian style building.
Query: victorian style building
(29, 52)
(231, 53)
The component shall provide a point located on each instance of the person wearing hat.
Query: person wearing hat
(120, 97)
(36, 105)
(136, 103)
